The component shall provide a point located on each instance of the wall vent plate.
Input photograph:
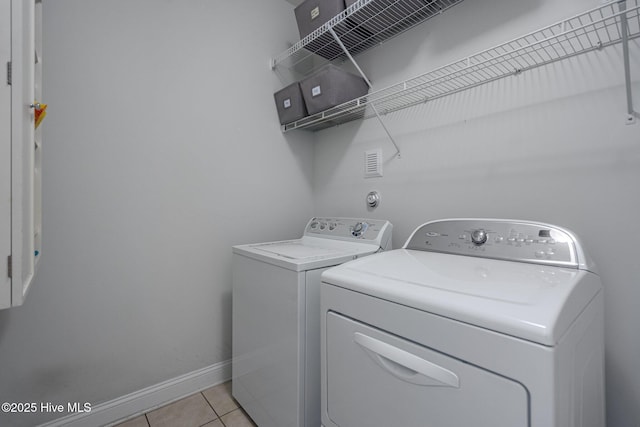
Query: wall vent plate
(373, 163)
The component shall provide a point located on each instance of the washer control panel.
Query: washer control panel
(348, 228)
(500, 239)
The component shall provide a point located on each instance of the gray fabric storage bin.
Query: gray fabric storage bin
(311, 14)
(290, 104)
(331, 86)
(380, 15)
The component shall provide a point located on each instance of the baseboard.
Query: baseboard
(141, 401)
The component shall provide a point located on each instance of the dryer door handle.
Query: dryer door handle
(406, 366)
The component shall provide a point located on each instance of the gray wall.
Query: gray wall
(550, 144)
(162, 150)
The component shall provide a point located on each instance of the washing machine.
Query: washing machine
(276, 316)
(474, 322)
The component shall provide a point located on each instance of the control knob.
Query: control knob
(479, 237)
(358, 229)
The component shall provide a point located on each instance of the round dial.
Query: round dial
(357, 229)
(373, 198)
(479, 236)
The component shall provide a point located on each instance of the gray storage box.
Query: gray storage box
(331, 86)
(311, 14)
(290, 104)
(381, 15)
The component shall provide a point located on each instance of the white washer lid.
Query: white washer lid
(306, 253)
(533, 302)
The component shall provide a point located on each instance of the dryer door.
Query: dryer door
(376, 379)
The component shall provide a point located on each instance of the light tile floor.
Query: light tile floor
(214, 407)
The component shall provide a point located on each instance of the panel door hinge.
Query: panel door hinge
(9, 267)
(9, 73)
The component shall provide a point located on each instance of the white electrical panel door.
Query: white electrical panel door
(5, 155)
(20, 208)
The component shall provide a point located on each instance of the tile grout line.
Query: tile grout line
(218, 416)
(237, 407)
(214, 410)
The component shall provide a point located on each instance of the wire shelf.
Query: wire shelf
(589, 31)
(361, 26)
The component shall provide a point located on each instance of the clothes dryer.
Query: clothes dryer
(474, 322)
(276, 316)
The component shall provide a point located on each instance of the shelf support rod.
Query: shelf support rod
(631, 113)
(373, 107)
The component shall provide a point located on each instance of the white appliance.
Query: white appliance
(276, 316)
(484, 323)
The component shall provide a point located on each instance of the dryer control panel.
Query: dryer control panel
(510, 240)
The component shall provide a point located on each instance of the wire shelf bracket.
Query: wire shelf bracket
(632, 115)
(366, 79)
